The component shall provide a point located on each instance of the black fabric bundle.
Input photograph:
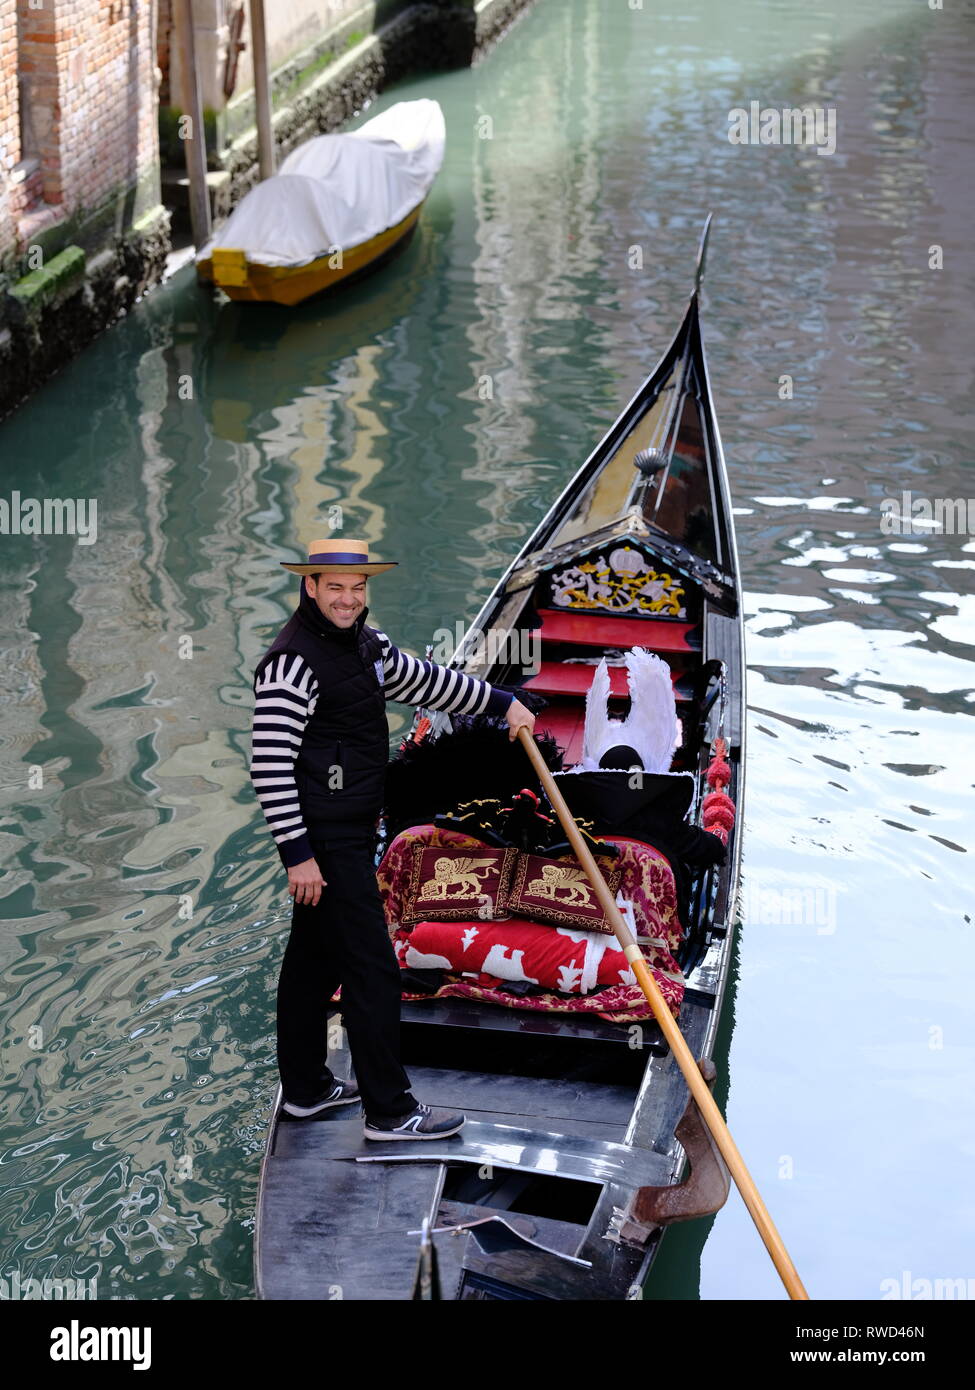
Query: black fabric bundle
(650, 807)
(477, 759)
(523, 825)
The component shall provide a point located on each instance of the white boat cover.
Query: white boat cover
(339, 190)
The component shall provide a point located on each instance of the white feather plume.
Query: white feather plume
(651, 727)
(598, 727)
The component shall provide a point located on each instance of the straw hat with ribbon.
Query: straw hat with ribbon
(339, 556)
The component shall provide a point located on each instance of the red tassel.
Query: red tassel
(717, 808)
(719, 816)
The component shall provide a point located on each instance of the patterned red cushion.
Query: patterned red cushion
(559, 891)
(447, 883)
(572, 962)
(647, 883)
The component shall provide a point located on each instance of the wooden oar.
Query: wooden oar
(692, 1075)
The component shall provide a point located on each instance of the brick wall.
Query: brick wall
(86, 103)
(102, 80)
(9, 120)
(37, 65)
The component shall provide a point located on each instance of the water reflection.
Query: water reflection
(441, 404)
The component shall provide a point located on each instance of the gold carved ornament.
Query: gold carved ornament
(622, 582)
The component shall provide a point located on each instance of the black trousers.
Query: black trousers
(343, 940)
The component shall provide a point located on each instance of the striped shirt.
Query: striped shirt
(286, 695)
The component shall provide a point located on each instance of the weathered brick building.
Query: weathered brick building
(91, 95)
(79, 176)
(86, 119)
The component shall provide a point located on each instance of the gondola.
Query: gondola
(580, 1148)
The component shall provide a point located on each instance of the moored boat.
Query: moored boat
(573, 1159)
(339, 206)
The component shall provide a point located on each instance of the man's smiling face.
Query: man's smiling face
(340, 597)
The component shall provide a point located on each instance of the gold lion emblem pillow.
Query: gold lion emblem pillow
(558, 892)
(450, 884)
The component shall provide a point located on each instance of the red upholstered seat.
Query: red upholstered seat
(603, 630)
(565, 721)
(570, 678)
(570, 961)
(648, 885)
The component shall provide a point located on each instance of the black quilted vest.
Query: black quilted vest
(341, 765)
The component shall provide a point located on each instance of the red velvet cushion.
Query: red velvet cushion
(447, 882)
(559, 891)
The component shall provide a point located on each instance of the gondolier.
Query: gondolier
(319, 754)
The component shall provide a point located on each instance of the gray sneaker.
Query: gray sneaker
(338, 1093)
(421, 1123)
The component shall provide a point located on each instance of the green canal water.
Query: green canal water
(441, 405)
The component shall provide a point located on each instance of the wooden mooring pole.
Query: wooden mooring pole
(194, 136)
(262, 90)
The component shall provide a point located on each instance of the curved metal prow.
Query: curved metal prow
(702, 254)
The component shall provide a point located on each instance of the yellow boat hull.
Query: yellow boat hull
(239, 278)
